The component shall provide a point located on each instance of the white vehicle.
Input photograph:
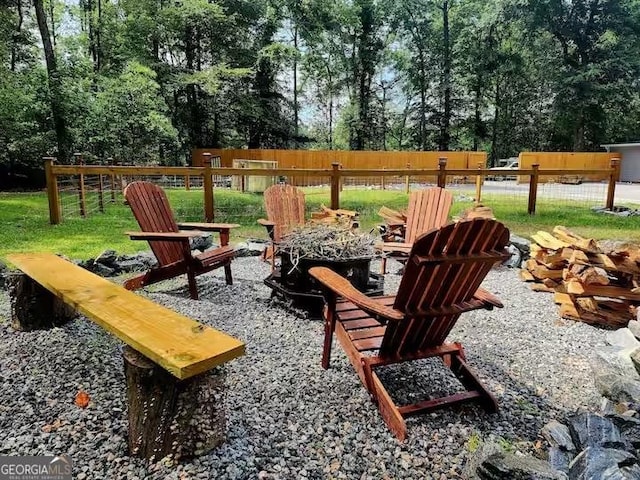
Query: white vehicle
(503, 173)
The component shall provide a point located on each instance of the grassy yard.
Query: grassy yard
(25, 219)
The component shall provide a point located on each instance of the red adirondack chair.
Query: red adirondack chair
(441, 281)
(285, 210)
(427, 209)
(169, 244)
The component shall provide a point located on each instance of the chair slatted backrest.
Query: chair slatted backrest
(151, 209)
(285, 207)
(444, 270)
(427, 209)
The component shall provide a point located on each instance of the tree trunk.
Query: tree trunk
(15, 44)
(494, 134)
(445, 134)
(295, 88)
(33, 307)
(477, 121)
(55, 84)
(184, 418)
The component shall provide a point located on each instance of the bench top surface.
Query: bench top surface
(179, 344)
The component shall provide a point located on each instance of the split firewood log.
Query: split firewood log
(575, 240)
(586, 274)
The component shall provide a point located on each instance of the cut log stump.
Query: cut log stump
(168, 416)
(33, 307)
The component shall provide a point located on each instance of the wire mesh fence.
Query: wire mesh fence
(83, 191)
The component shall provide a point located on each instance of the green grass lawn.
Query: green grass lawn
(25, 219)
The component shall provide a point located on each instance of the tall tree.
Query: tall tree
(55, 84)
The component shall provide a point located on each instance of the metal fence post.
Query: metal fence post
(335, 186)
(614, 175)
(533, 189)
(52, 191)
(442, 174)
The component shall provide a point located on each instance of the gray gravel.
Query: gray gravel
(288, 418)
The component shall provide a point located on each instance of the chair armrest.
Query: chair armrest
(164, 236)
(266, 223)
(342, 287)
(396, 224)
(487, 297)
(270, 226)
(395, 247)
(208, 227)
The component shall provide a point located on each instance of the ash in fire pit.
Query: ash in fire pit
(337, 247)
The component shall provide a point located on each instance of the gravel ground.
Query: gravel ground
(288, 418)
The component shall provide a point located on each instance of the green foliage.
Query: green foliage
(128, 115)
(142, 79)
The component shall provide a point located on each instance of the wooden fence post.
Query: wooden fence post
(407, 181)
(533, 189)
(614, 175)
(442, 174)
(479, 179)
(101, 191)
(52, 191)
(82, 204)
(207, 187)
(335, 186)
(112, 181)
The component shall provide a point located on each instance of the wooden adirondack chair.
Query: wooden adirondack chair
(441, 281)
(171, 247)
(285, 210)
(427, 209)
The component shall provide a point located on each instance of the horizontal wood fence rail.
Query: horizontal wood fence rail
(335, 174)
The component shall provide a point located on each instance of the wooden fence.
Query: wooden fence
(348, 159)
(335, 173)
(570, 162)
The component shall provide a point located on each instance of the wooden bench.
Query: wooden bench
(156, 337)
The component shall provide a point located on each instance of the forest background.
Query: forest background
(148, 80)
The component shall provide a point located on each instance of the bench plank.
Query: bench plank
(179, 344)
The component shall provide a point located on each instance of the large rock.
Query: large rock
(623, 337)
(596, 463)
(521, 244)
(515, 258)
(108, 258)
(507, 466)
(202, 242)
(558, 435)
(560, 459)
(629, 428)
(634, 326)
(4, 270)
(615, 376)
(591, 430)
(250, 248)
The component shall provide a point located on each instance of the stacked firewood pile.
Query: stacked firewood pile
(328, 216)
(596, 283)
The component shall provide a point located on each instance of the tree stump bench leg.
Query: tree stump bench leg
(33, 307)
(168, 416)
